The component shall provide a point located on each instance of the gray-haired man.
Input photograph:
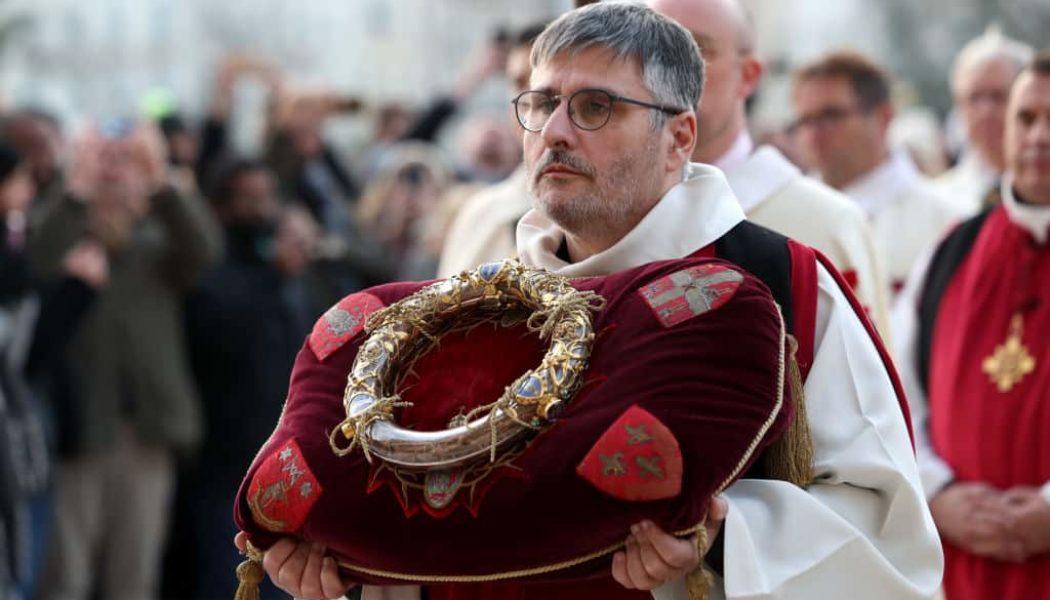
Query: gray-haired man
(610, 125)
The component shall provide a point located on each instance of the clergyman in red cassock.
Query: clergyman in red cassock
(975, 347)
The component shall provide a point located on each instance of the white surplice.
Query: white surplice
(483, 230)
(774, 193)
(862, 530)
(966, 184)
(907, 215)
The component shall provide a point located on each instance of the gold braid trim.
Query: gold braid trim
(772, 415)
(790, 458)
(519, 573)
(699, 582)
(249, 574)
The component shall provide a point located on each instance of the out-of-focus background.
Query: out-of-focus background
(106, 57)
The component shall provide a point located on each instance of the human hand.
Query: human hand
(230, 69)
(149, 154)
(300, 568)
(304, 107)
(87, 262)
(123, 169)
(972, 516)
(653, 557)
(1028, 519)
(85, 166)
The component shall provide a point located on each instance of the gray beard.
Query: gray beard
(615, 207)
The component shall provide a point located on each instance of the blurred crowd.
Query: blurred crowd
(156, 284)
(156, 287)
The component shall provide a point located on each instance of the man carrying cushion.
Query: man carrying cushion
(613, 189)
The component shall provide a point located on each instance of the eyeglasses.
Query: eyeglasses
(588, 109)
(829, 117)
(993, 97)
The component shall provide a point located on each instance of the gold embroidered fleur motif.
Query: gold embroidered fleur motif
(637, 435)
(263, 499)
(649, 465)
(1010, 362)
(613, 465)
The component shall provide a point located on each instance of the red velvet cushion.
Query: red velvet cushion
(713, 380)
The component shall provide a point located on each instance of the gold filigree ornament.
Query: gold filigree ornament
(487, 435)
(1011, 361)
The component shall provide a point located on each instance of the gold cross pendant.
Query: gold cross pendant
(1010, 362)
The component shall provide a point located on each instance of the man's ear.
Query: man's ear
(884, 115)
(750, 74)
(682, 129)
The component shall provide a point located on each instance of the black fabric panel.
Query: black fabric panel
(945, 262)
(765, 254)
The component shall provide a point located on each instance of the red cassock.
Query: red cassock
(684, 390)
(986, 433)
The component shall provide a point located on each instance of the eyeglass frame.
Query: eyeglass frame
(556, 100)
(827, 117)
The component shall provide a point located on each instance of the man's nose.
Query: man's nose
(1040, 131)
(806, 136)
(558, 131)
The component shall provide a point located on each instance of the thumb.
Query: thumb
(717, 509)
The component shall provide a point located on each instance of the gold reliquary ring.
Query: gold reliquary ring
(505, 293)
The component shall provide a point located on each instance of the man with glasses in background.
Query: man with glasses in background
(609, 128)
(844, 111)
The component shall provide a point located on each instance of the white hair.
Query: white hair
(991, 45)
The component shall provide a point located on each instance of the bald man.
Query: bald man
(772, 191)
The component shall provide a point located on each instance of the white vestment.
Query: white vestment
(774, 193)
(862, 529)
(483, 230)
(966, 184)
(907, 215)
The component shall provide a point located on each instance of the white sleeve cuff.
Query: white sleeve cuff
(935, 474)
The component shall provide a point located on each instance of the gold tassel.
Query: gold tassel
(699, 582)
(249, 575)
(791, 457)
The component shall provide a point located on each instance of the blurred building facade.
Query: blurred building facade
(100, 57)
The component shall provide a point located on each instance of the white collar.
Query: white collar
(737, 153)
(1033, 217)
(755, 179)
(690, 216)
(885, 182)
(973, 164)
